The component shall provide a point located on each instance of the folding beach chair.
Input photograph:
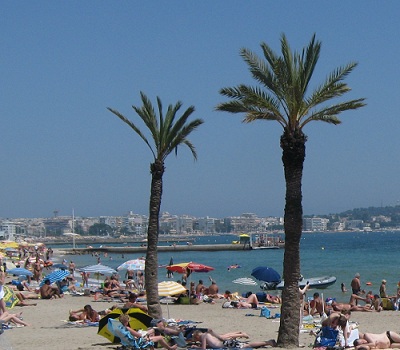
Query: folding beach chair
(127, 339)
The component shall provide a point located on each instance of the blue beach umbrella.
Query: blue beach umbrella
(266, 274)
(55, 276)
(20, 271)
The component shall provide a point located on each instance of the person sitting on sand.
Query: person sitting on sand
(85, 314)
(213, 289)
(212, 340)
(317, 305)
(384, 340)
(157, 339)
(14, 318)
(49, 292)
(200, 288)
(338, 321)
(132, 302)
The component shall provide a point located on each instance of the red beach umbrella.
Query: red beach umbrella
(189, 266)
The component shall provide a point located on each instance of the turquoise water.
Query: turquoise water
(375, 255)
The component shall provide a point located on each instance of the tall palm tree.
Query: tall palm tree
(168, 132)
(282, 96)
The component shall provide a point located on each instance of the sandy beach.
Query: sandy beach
(48, 329)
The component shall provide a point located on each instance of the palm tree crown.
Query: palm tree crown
(286, 79)
(166, 134)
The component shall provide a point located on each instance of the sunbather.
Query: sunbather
(384, 340)
(85, 314)
(212, 340)
(157, 339)
(14, 318)
(132, 302)
(49, 292)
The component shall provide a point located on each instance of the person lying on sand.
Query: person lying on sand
(14, 318)
(384, 340)
(343, 306)
(85, 314)
(212, 340)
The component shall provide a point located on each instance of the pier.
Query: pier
(171, 248)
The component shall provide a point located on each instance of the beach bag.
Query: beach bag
(327, 337)
(265, 312)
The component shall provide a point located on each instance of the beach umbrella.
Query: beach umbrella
(135, 265)
(266, 274)
(98, 268)
(138, 320)
(9, 297)
(189, 266)
(169, 288)
(55, 276)
(245, 281)
(18, 271)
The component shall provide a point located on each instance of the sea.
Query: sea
(374, 255)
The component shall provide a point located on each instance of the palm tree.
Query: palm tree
(167, 134)
(282, 96)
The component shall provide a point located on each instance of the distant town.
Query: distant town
(135, 225)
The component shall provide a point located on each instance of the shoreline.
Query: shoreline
(49, 329)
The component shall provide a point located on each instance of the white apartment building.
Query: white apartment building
(315, 224)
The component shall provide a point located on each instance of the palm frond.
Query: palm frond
(333, 86)
(330, 114)
(134, 127)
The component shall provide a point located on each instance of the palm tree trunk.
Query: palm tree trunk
(293, 146)
(151, 267)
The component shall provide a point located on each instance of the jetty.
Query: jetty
(170, 248)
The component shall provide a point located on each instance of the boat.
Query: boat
(315, 282)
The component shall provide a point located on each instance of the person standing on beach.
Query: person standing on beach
(356, 285)
(2, 282)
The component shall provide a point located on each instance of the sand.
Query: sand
(48, 329)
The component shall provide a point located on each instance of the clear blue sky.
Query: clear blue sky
(63, 62)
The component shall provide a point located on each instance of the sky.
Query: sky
(62, 63)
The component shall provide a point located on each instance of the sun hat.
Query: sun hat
(383, 281)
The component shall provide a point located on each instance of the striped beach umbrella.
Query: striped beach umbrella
(135, 265)
(55, 276)
(98, 268)
(169, 288)
(245, 281)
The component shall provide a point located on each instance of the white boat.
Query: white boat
(315, 282)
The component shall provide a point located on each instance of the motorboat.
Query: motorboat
(315, 282)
